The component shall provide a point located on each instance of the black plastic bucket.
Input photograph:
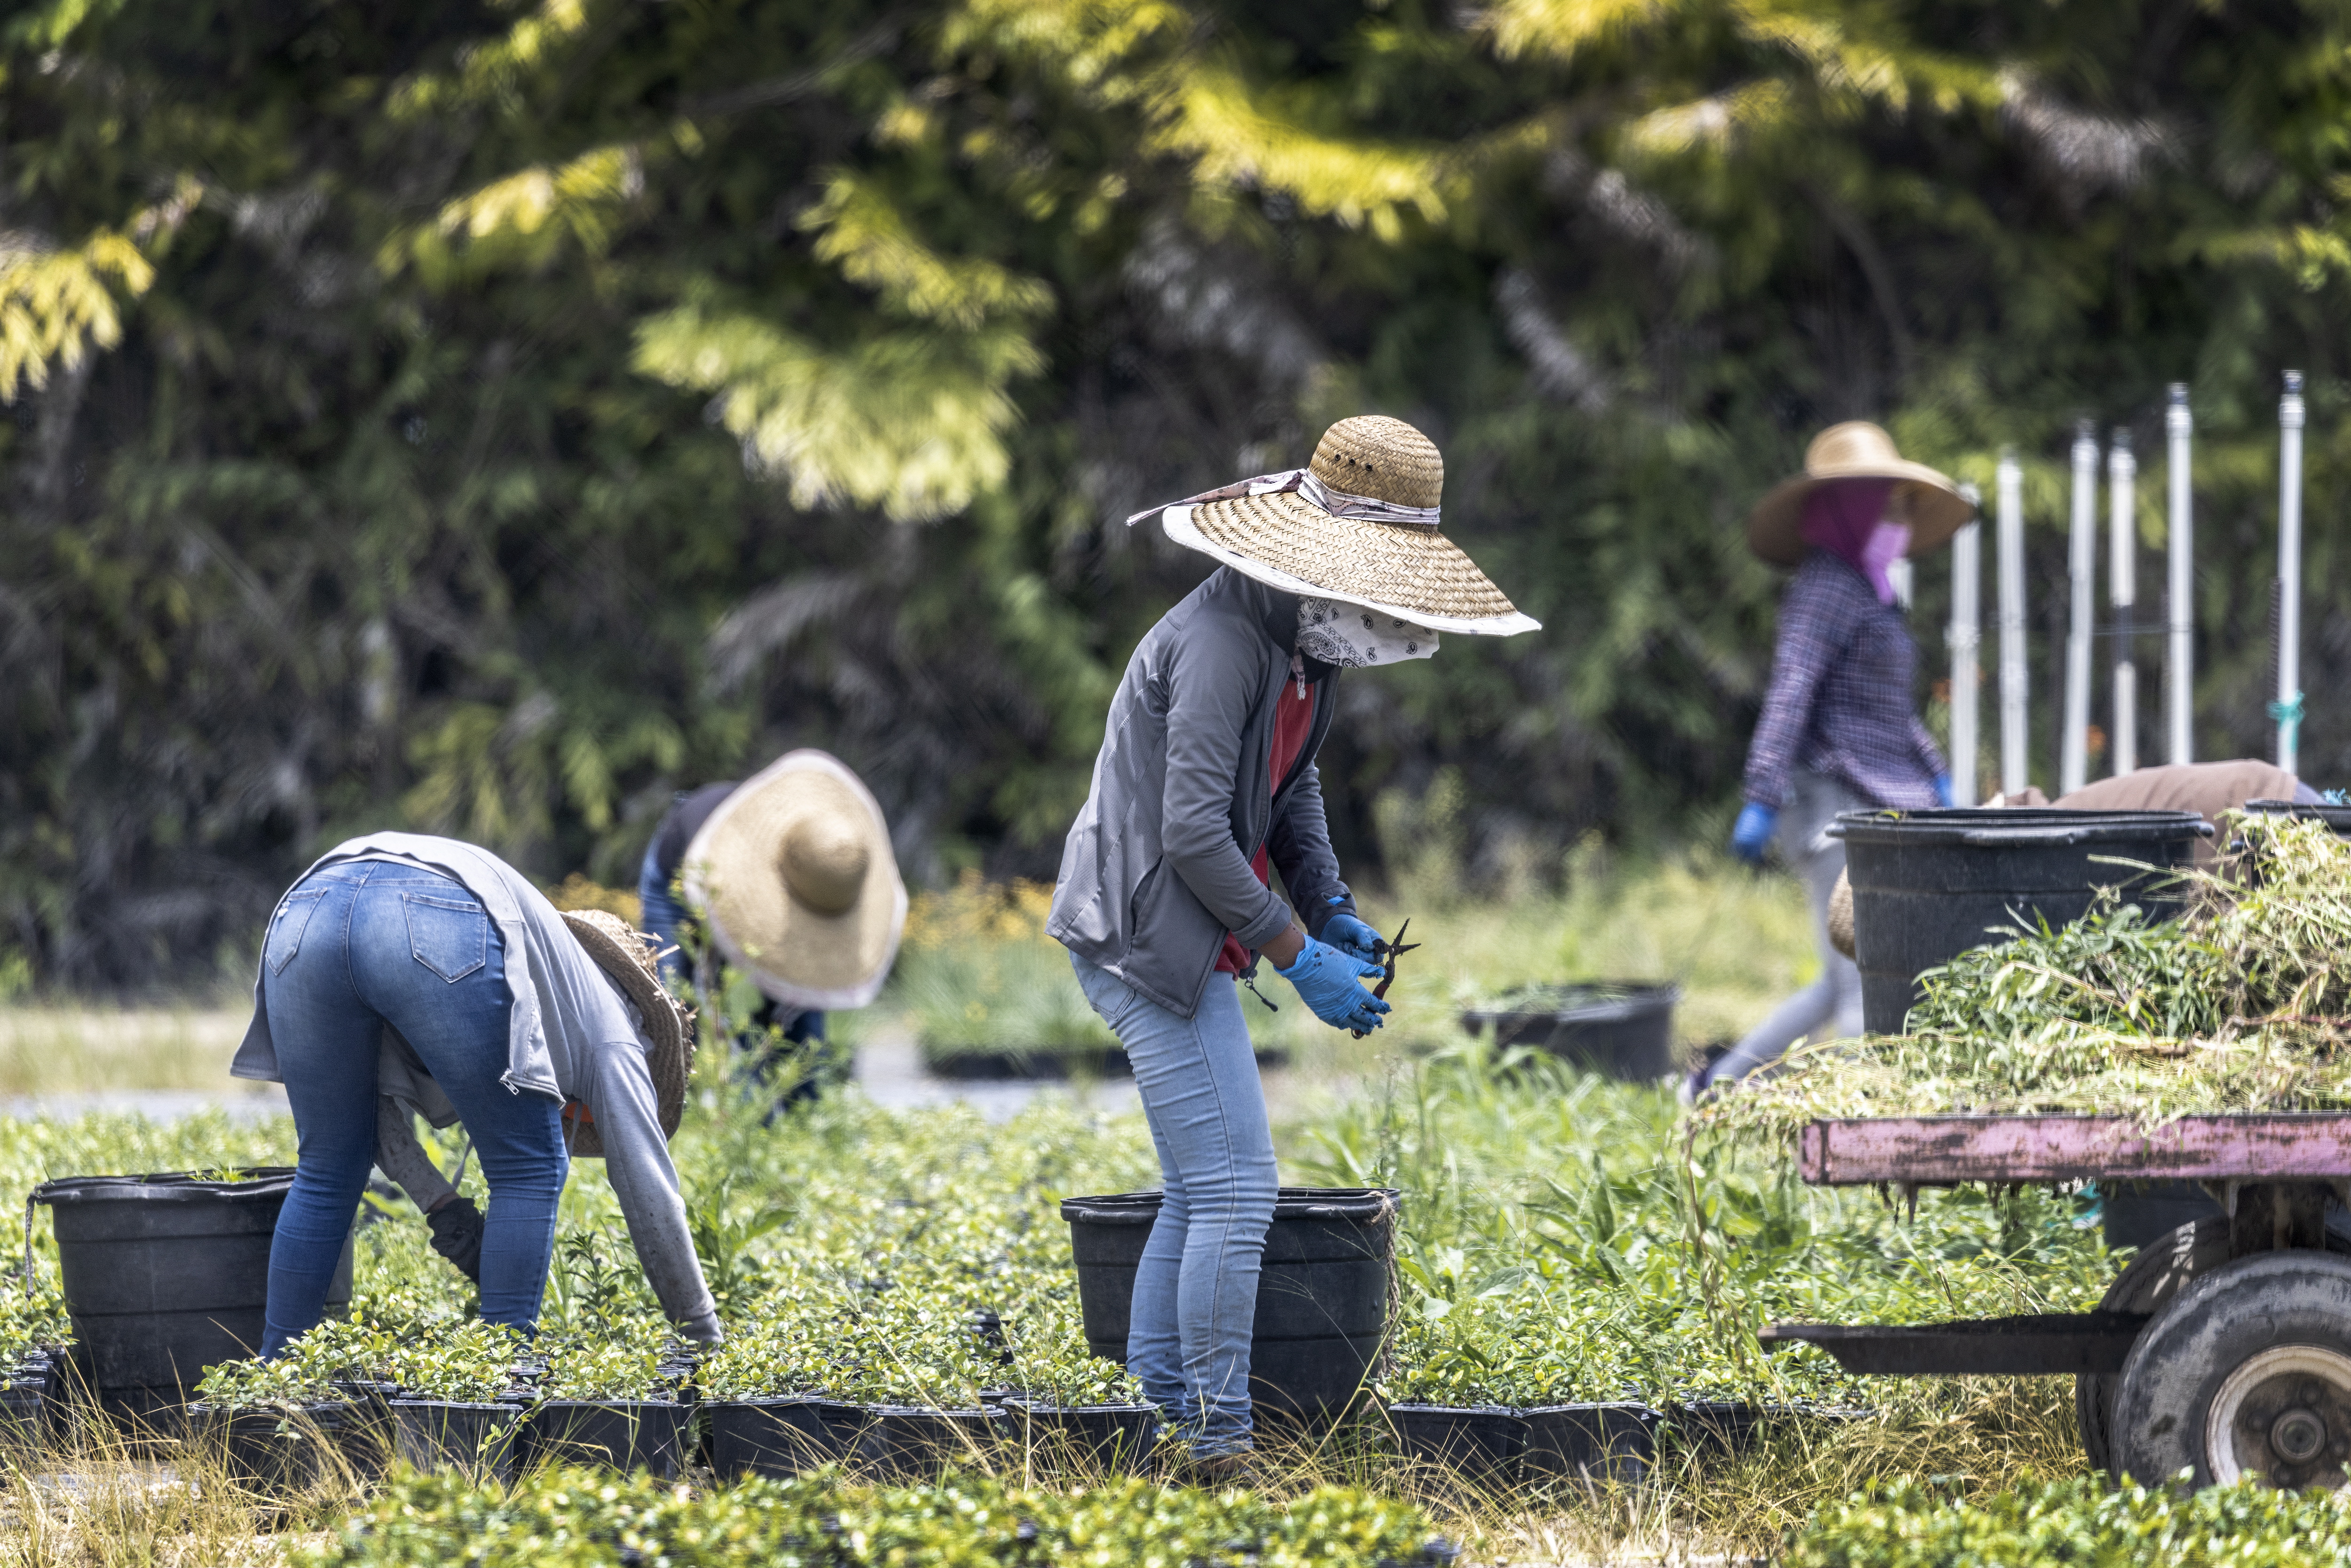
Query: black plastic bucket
(625, 1434)
(1479, 1443)
(2337, 818)
(1321, 1298)
(1928, 885)
(1085, 1439)
(476, 1441)
(912, 1444)
(780, 1435)
(1614, 1442)
(165, 1275)
(1623, 1029)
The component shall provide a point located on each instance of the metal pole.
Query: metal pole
(2122, 592)
(2180, 594)
(2287, 709)
(1965, 636)
(2014, 739)
(2082, 561)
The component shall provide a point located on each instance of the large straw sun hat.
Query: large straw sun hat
(1359, 524)
(1858, 449)
(794, 875)
(627, 957)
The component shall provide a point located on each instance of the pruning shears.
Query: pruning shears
(1391, 951)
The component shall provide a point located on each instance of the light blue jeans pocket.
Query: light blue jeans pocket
(293, 918)
(450, 937)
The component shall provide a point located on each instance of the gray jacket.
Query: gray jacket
(1156, 868)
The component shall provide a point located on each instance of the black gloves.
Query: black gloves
(456, 1228)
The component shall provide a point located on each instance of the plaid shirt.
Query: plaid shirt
(1840, 698)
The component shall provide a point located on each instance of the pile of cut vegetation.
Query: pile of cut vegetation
(2243, 1003)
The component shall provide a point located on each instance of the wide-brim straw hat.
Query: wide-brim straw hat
(1922, 498)
(629, 957)
(1397, 565)
(795, 876)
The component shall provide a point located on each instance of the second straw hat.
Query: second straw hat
(627, 956)
(794, 875)
(1858, 449)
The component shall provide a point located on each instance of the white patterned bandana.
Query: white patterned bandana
(1354, 638)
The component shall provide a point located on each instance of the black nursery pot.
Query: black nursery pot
(477, 1441)
(1481, 1443)
(1620, 1029)
(279, 1452)
(908, 1443)
(1722, 1428)
(625, 1434)
(1616, 1442)
(23, 1415)
(779, 1436)
(1087, 1438)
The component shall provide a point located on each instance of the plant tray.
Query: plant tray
(476, 1440)
(1946, 1151)
(779, 1436)
(2081, 1343)
(1088, 1438)
(624, 1434)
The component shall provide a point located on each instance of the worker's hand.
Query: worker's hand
(1751, 835)
(1943, 788)
(1353, 936)
(456, 1228)
(1327, 982)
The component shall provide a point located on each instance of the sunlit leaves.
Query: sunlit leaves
(55, 305)
(869, 239)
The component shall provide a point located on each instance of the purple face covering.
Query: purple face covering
(1846, 517)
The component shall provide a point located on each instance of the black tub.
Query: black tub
(1623, 1029)
(473, 1440)
(1616, 1442)
(165, 1275)
(779, 1435)
(2337, 818)
(1089, 1439)
(911, 1444)
(1321, 1297)
(1928, 885)
(1480, 1443)
(625, 1434)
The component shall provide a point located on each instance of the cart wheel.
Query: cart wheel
(2158, 1274)
(2246, 1373)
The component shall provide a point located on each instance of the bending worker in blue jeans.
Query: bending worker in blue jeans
(404, 973)
(1205, 781)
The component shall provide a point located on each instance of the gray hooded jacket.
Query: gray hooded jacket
(1157, 867)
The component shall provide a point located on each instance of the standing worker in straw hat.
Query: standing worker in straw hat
(1206, 778)
(794, 870)
(1839, 732)
(406, 973)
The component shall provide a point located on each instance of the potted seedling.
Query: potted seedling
(759, 1399)
(1076, 1411)
(458, 1408)
(273, 1425)
(607, 1404)
(917, 1370)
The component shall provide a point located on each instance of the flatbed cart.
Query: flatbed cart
(2224, 1347)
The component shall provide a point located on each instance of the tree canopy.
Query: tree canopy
(491, 417)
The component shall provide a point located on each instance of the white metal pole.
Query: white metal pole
(2287, 709)
(2014, 739)
(2122, 593)
(2180, 594)
(2082, 560)
(1965, 637)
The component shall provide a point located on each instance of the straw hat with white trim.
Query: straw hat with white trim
(627, 957)
(1358, 524)
(794, 874)
(1922, 498)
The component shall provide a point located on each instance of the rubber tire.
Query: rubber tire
(2151, 1280)
(2221, 1320)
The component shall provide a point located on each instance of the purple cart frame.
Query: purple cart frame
(1942, 1151)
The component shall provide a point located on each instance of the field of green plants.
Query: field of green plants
(1562, 1240)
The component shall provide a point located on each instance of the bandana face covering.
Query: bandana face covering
(1354, 638)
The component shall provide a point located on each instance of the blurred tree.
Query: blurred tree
(493, 416)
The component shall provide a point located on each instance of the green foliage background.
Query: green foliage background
(489, 417)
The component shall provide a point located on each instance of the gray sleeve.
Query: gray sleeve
(637, 1162)
(402, 1159)
(1299, 848)
(1210, 690)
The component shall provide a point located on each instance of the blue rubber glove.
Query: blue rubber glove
(1943, 788)
(1352, 936)
(1327, 980)
(1752, 832)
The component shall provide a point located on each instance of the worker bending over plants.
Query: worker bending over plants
(405, 973)
(1205, 778)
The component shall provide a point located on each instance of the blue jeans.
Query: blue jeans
(353, 948)
(1195, 1288)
